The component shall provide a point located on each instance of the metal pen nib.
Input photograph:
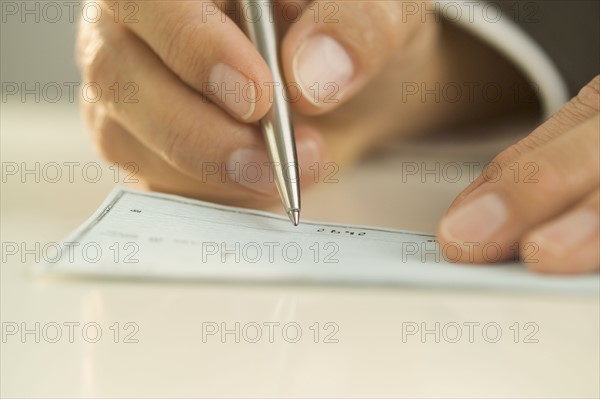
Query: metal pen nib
(294, 216)
(276, 125)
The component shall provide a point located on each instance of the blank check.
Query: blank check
(148, 235)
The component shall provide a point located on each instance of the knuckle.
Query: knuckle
(527, 144)
(175, 145)
(589, 95)
(95, 57)
(186, 47)
(87, 44)
(110, 139)
(382, 14)
(585, 104)
(370, 25)
(512, 152)
(107, 136)
(180, 144)
(97, 64)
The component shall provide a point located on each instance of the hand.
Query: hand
(196, 79)
(550, 210)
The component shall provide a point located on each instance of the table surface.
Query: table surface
(372, 356)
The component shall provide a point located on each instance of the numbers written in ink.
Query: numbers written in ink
(342, 232)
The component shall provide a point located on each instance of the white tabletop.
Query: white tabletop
(372, 358)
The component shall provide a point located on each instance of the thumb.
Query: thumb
(336, 47)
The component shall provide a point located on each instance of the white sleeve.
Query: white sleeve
(511, 41)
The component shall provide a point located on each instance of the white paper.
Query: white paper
(148, 235)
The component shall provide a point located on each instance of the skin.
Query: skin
(561, 202)
(178, 127)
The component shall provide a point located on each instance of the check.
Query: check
(149, 235)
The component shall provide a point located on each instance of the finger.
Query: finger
(208, 51)
(567, 244)
(116, 144)
(284, 12)
(152, 172)
(501, 213)
(582, 107)
(190, 134)
(336, 47)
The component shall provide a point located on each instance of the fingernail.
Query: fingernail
(569, 231)
(323, 68)
(251, 168)
(233, 89)
(476, 220)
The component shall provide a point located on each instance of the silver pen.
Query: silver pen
(258, 21)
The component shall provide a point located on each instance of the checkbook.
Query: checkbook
(144, 235)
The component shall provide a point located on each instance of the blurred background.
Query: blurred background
(170, 360)
(41, 48)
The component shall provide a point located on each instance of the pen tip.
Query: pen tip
(294, 215)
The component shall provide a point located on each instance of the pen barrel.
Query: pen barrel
(258, 20)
